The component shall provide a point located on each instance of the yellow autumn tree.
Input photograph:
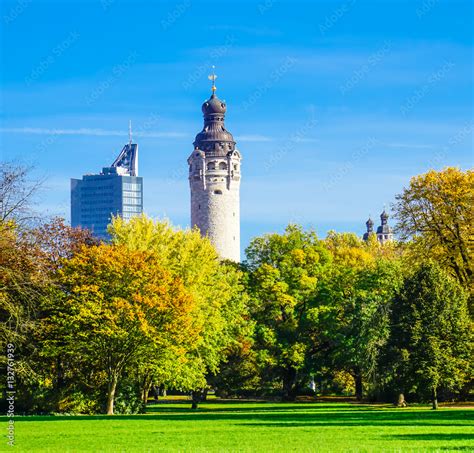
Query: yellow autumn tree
(436, 212)
(117, 306)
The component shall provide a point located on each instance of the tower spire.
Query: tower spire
(130, 132)
(213, 77)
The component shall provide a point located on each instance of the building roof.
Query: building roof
(127, 161)
(214, 138)
(384, 228)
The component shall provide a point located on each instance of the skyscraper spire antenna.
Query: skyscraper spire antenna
(130, 132)
(213, 77)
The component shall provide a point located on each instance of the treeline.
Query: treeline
(96, 327)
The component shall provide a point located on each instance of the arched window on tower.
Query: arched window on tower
(222, 166)
(211, 166)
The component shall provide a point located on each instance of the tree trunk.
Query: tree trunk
(156, 391)
(111, 387)
(435, 398)
(145, 393)
(289, 384)
(359, 387)
(401, 400)
(145, 387)
(196, 398)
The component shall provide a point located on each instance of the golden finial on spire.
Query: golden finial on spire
(213, 77)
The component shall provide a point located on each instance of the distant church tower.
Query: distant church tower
(384, 231)
(214, 179)
(370, 229)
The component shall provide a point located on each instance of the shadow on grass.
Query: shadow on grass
(262, 407)
(433, 436)
(288, 416)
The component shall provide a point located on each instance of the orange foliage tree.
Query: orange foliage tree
(118, 306)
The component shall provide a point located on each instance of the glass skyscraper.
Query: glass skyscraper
(117, 190)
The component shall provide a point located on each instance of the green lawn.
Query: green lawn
(256, 427)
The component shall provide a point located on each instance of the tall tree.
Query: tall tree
(430, 344)
(435, 211)
(215, 286)
(118, 305)
(28, 260)
(354, 297)
(284, 271)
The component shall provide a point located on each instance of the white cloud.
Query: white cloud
(88, 131)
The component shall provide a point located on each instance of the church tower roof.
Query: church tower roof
(384, 228)
(370, 228)
(370, 225)
(214, 139)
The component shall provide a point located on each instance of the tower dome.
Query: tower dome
(214, 137)
(370, 229)
(213, 106)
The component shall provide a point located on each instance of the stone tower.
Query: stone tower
(214, 179)
(384, 231)
(370, 229)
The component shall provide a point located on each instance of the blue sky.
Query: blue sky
(334, 104)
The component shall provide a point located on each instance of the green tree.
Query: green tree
(354, 296)
(215, 286)
(28, 260)
(283, 278)
(430, 342)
